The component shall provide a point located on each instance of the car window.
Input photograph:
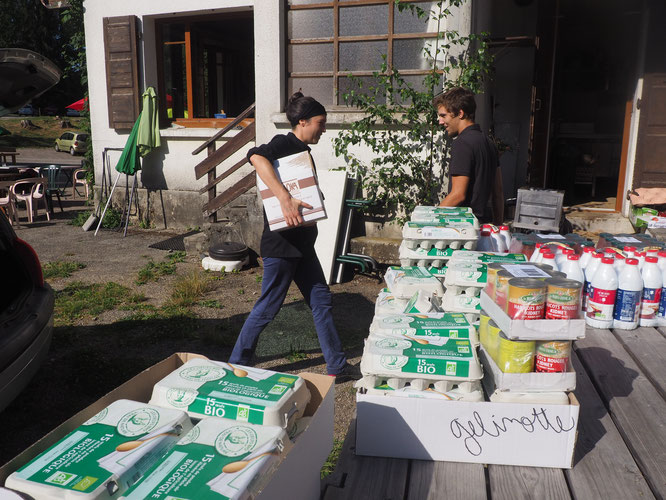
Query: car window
(82, 137)
(63, 136)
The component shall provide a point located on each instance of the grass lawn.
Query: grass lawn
(47, 131)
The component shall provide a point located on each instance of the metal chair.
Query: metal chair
(30, 191)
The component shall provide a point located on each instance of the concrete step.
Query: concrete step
(383, 250)
(599, 222)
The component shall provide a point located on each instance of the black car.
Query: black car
(26, 313)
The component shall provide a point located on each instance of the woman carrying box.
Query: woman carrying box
(289, 255)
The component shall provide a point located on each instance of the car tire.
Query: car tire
(72, 152)
(56, 147)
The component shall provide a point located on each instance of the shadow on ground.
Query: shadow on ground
(86, 362)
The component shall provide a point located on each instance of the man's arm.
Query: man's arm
(457, 193)
(288, 204)
(497, 197)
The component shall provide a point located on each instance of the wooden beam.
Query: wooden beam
(235, 143)
(212, 183)
(247, 112)
(188, 72)
(242, 186)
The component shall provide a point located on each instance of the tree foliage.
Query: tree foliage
(399, 127)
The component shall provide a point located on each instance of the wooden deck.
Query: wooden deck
(620, 453)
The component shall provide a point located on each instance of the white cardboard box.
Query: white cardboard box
(526, 382)
(533, 329)
(297, 477)
(534, 435)
(297, 174)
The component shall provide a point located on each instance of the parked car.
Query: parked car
(72, 142)
(72, 112)
(50, 110)
(27, 110)
(26, 314)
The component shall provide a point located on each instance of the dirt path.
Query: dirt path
(93, 354)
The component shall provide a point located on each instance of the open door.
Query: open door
(649, 168)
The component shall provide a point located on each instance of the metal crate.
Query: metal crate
(538, 209)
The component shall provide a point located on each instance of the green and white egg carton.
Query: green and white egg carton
(219, 459)
(104, 456)
(433, 257)
(426, 235)
(465, 278)
(429, 209)
(488, 257)
(421, 388)
(426, 330)
(391, 357)
(205, 388)
(420, 303)
(404, 282)
(446, 219)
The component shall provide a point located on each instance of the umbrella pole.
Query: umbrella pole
(129, 205)
(107, 204)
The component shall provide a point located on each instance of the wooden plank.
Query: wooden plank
(433, 480)
(235, 143)
(603, 466)
(648, 348)
(222, 176)
(636, 406)
(511, 482)
(366, 478)
(242, 186)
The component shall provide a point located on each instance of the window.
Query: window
(327, 41)
(206, 67)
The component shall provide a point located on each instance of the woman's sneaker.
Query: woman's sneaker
(348, 372)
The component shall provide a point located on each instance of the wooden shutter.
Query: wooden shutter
(122, 70)
(649, 170)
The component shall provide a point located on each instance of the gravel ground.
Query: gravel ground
(97, 353)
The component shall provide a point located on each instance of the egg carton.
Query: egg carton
(488, 257)
(417, 256)
(464, 303)
(399, 357)
(466, 275)
(421, 388)
(428, 209)
(420, 303)
(404, 282)
(445, 220)
(434, 331)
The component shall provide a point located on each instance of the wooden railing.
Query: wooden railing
(216, 156)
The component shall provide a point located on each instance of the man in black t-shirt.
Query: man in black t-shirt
(474, 174)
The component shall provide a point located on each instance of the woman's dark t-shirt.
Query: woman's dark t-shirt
(288, 243)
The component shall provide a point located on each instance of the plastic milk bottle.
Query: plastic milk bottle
(571, 267)
(601, 300)
(586, 257)
(549, 259)
(628, 299)
(537, 252)
(499, 243)
(504, 232)
(589, 274)
(661, 315)
(662, 260)
(652, 284)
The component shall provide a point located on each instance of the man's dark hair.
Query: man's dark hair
(456, 99)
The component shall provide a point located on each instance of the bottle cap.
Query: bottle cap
(572, 256)
(619, 256)
(568, 251)
(588, 249)
(609, 250)
(504, 228)
(545, 249)
(629, 249)
(662, 253)
(652, 260)
(548, 255)
(631, 262)
(607, 260)
(640, 254)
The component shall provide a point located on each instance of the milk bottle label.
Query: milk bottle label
(627, 305)
(650, 306)
(600, 304)
(662, 304)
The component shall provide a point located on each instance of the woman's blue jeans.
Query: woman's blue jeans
(306, 272)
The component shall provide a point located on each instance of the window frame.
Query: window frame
(337, 39)
(165, 121)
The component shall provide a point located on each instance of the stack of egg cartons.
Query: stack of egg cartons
(134, 450)
(530, 316)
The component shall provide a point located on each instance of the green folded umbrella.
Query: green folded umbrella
(4, 131)
(129, 161)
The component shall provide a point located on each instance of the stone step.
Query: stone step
(383, 250)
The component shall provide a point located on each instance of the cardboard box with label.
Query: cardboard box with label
(536, 435)
(297, 475)
(297, 174)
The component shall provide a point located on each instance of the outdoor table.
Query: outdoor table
(620, 452)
